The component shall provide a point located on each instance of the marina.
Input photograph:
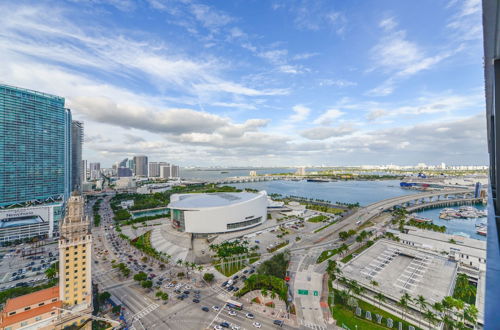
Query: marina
(464, 212)
(474, 227)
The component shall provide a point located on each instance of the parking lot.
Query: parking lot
(25, 264)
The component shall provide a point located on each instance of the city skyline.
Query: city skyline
(335, 84)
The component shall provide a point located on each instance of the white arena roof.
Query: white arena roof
(202, 200)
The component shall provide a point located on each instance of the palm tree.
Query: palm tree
(430, 317)
(470, 314)
(422, 304)
(179, 262)
(374, 284)
(380, 297)
(403, 302)
(50, 273)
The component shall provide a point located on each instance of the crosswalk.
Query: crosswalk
(219, 319)
(311, 325)
(148, 309)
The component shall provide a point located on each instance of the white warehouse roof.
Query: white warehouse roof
(205, 200)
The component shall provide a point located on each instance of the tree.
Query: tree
(470, 314)
(403, 303)
(273, 295)
(264, 292)
(179, 262)
(422, 304)
(158, 294)
(116, 309)
(431, 318)
(104, 296)
(374, 284)
(209, 277)
(51, 273)
(164, 296)
(380, 297)
(141, 276)
(147, 284)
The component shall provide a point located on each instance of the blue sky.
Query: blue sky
(261, 83)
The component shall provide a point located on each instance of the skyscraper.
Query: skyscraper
(85, 174)
(35, 148)
(75, 247)
(123, 163)
(154, 168)
(76, 155)
(95, 171)
(141, 165)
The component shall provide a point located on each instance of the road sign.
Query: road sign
(315, 293)
(304, 292)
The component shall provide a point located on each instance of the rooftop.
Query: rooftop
(31, 299)
(13, 319)
(398, 269)
(197, 200)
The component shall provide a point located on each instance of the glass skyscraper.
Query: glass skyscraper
(35, 147)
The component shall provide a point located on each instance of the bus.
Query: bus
(234, 305)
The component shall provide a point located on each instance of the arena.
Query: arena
(217, 212)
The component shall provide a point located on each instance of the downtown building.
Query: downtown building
(141, 165)
(36, 163)
(77, 171)
(68, 304)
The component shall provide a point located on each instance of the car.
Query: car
(186, 291)
(251, 271)
(249, 316)
(215, 308)
(217, 327)
(235, 289)
(196, 300)
(197, 296)
(232, 313)
(230, 288)
(197, 291)
(224, 284)
(235, 327)
(205, 309)
(257, 325)
(235, 277)
(278, 322)
(245, 271)
(224, 325)
(243, 278)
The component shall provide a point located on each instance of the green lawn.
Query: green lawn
(326, 255)
(319, 218)
(357, 251)
(345, 315)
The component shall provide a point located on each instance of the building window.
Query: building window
(27, 308)
(54, 300)
(83, 268)
(243, 223)
(67, 285)
(67, 279)
(67, 254)
(52, 313)
(25, 323)
(41, 304)
(67, 273)
(67, 267)
(67, 248)
(76, 259)
(67, 261)
(83, 287)
(38, 318)
(12, 313)
(76, 252)
(84, 281)
(83, 257)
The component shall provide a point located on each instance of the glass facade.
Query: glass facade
(35, 148)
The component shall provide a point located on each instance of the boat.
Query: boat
(420, 219)
(483, 231)
(222, 172)
(318, 180)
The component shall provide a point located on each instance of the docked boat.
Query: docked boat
(420, 219)
(464, 212)
(483, 231)
(318, 180)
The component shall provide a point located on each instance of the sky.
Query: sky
(258, 83)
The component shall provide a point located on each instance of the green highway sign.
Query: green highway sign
(315, 293)
(304, 292)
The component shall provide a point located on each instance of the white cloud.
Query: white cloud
(300, 113)
(325, 132)
(328, 117)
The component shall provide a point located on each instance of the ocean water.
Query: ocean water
(363, 192)
(453, 226)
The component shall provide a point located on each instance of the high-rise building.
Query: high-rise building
(174, 171)
(154, 168)
(491, 62)
(95, 171)
(123, 163)
(131, 165)
(141, 165)
(35, 147)
(124, 172)
(165, 172)
(85, 174)
(76, 155)
(75, 247)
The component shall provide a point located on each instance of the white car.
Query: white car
(218, 327)
(257, 325)
(235, 327)
(216, 308)
(249, 316)
(232, 313)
